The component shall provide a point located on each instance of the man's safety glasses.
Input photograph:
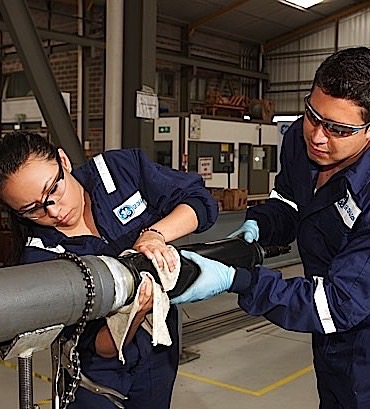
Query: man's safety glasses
(55, 193)
(335, 129)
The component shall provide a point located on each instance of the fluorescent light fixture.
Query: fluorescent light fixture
(246, 117)
(301, 4)
(285, 118)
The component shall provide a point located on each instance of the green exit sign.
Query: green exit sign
(164, 129)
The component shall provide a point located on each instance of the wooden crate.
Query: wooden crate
(218, 194)
(235, 199)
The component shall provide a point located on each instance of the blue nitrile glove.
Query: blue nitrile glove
(249, 229)
(214, 278)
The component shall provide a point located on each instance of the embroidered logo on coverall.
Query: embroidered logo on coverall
(131, 208)
(348, 209)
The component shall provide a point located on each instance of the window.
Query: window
(165, 84)
(198, 89)
(16, 85)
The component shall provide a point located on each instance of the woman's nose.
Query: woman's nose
(53, 210)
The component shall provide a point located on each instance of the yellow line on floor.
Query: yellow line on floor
(44, 402)
(203, 379)
(246, 391)
(35, 374)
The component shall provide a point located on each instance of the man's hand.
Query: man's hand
(214, 278)
(249, 229)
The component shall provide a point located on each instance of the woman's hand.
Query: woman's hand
(145, 298)
(153, 245)
(145, 306)
(104, 342)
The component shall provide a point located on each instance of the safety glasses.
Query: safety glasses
(55, 192)
(335, 129)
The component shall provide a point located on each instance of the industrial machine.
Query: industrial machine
(227, 153)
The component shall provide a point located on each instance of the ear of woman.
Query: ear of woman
(64, 160)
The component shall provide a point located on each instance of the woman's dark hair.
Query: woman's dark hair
(15, 150)
(346, 75)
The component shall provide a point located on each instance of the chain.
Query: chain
(72, 363)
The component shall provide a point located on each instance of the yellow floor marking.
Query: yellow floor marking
(35, 375)
(44, 402)
(203, 379)
(259, 392)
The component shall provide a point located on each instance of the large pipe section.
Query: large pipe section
(40, 295)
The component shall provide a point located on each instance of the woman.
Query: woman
(117, 200)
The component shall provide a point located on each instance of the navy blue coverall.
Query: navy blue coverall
(128, 193)
(332, 301)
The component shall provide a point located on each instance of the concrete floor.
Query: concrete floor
(265, 368)
(259, 368)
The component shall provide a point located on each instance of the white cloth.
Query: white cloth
(155, 323)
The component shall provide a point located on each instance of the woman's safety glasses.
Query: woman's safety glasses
(53, 195)
(331, 128)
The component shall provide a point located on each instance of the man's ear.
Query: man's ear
(66, 163)
(367, 135)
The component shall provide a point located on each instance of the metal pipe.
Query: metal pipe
(39, 295)
(50, 293)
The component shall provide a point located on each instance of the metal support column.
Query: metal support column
(19, 22)
(140, 30)
(113, 75)
(186, 72)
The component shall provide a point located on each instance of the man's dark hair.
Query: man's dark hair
(346, 75)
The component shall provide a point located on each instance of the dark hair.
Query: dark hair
(15, 150)
(346, 74)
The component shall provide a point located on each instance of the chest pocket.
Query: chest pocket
(333, 230)
(321, 237)
(125, 204)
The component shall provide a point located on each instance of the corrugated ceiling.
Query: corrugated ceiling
(255, 21)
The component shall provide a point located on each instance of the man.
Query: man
(322, 199)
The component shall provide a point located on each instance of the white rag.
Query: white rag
(155, 323)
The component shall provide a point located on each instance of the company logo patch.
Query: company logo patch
(131, 208)
(348, 210)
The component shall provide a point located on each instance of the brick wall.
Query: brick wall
(64, 67)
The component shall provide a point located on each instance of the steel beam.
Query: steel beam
(40, 77)
(219, 13)
(212, 66)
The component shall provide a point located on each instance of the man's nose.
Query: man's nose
(318, 136)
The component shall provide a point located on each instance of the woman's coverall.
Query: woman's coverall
(128, 193)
